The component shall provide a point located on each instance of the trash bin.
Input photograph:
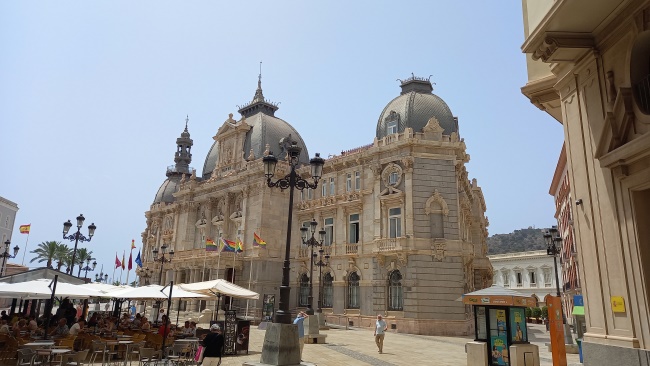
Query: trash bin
(579, 341)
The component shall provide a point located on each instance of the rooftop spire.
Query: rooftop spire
(259, 103)
(259, 97)
(187, 119)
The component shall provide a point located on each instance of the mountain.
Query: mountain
(518, 241)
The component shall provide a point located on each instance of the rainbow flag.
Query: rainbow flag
(258, 242)
(240, 246)
(228, 246)
(210, 246)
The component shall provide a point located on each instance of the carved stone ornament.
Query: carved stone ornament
(402, 258)
(439, 251)
(437, 198)
(386, 173)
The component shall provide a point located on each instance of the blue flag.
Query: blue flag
(138, 261)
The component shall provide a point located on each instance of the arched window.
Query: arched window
(640, 71)
(353, 290)
(328, 290)
(304, 290)
(395, 291)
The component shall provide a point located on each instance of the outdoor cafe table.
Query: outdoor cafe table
(49, 354)
(39, 344)
(125, 343)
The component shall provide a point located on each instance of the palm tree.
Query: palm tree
(62, 256)
(82, 255)
(46, 252)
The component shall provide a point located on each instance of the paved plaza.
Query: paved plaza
(356, 346)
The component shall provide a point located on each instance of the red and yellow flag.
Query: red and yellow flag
(123, 260)
(24, 229)
(132, 243)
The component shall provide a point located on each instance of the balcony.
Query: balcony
(389, 244)
(352, 248)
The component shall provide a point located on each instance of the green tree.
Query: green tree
(46, 252)
(82, 255)
(537, 312)
(62, 256)
(529, 312)
(545, 312)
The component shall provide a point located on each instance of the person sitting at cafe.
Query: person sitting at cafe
(61, 329)
(4, 315)
(77, 327)
(187, 330)
(32, 326)
(137, 321)
(145, 324)
(125, 321)
(4, 327)
(93, 321)
(165, 326)
(19, 327)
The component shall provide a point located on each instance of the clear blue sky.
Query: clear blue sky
(94, 94)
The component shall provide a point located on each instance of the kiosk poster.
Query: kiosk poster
(499, 352)
(269, 307)
(518, 325)
(501, 320)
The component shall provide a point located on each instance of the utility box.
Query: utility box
(524, 355)
(476, 353)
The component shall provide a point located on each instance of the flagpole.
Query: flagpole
(234, 259)
(122, 270)
(114, 269)
(129, 270)
(250, 275)
(25, 252)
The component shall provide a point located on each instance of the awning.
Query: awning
(154, 292)
(497, 295)
(220, 287)
(39, 289)
(578, 310)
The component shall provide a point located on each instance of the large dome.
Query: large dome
(266, 128)
(167, 189)
(413, 108)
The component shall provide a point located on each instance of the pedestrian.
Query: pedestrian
(380, 331)
(213, 346)
(300, 319)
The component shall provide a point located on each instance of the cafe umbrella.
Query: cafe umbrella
(218, 288)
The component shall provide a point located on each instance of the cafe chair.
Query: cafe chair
(76, 359)
(148, 356)
(26, 357)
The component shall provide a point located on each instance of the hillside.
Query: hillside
(517, 241)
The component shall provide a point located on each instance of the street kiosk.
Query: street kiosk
(500, 329)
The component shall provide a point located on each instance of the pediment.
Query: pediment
(619, 123)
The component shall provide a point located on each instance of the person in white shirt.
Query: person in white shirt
(77, 327)
(188, 331)
(380, 329)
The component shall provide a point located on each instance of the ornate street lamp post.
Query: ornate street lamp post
(5, 255)
(317, 260)
(77, 237)
(162, 259)
(554, 248)
(312, 242)
(88, 268)
(290, 181)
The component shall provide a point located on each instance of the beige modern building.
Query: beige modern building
(589, 68)
(405, 226)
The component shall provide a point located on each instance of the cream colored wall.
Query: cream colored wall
(534, 11)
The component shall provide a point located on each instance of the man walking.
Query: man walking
(380, 329)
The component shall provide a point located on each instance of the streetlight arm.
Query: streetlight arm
(284, 183)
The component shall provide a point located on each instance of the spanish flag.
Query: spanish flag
(123, 260)
(258, 242)
(24, 229)
(132, 243)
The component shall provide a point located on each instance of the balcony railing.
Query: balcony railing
(389, 244)
(352, 248)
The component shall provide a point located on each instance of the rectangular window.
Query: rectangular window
(329, 231)
(520, 281)
(348, 182)
(310, 193)
(506, 279)
(548, 279)
(354, 228)
(323, 189)
(533, 279)
(391, 127)
(393, 178)
(395, 222)
(332, 187)
(302, 195)
(357, 180)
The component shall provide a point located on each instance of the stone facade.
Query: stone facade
(405, 227)
(531, 273)
(8, 212)
(592, 74)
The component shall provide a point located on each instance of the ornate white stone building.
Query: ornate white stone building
(531, 273)
(405, 226)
